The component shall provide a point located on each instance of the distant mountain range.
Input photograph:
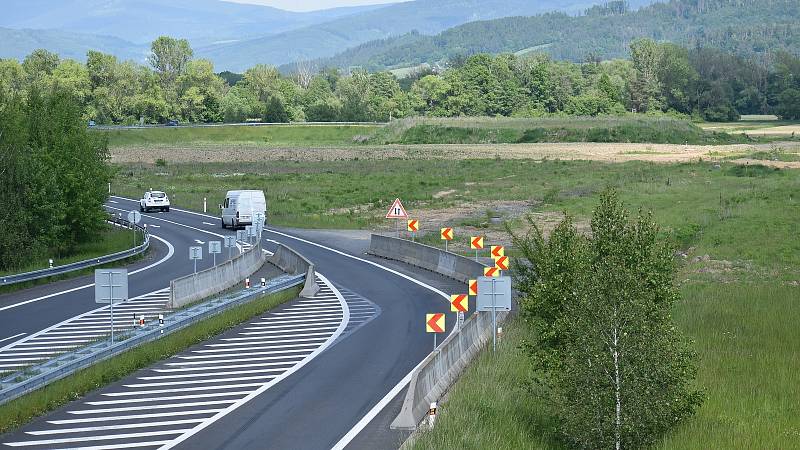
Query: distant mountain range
(237, 36)
(745, 27)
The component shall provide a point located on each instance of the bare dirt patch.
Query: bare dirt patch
(663, 153)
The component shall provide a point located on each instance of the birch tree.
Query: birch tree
(610, 362)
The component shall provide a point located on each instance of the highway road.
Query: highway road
(341, 390)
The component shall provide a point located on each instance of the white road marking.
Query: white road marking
(210, 224)
(199, 241)
(140, 408)
(12, 337)
(170, 252)
(128, 401)
(134, 416)
(114, 427)
(277, 380)
(95, 438)
(203, 381)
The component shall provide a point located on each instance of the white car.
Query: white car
(154, 200)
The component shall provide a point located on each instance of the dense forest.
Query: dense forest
(754, 29)
(658, 78)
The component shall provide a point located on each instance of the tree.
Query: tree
(646, 88)
(51, 160)
(169, 57)
(39, 64)
(788, 107)
(609, 361)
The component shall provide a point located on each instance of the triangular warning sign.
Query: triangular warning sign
(397, 211)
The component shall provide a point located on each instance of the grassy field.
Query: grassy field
(110, 240)
(736, 227)
(271, 135)
(469, 130)
(18, 412)
(484, 130)
(761, 125)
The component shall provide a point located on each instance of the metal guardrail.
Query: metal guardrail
(16, 385)
(85, 264)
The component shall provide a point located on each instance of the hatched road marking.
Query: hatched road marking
(80, 331)
(163, 405)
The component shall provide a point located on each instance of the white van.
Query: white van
(241, 206)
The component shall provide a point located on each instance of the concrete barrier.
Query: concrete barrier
(431, 258)
(209, 282)
(442, 367)
(294, 263)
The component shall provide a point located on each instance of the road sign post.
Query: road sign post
(413, 227)
(434, 323)
(214, 247)
(230, 242)
(195, 254)
(476, 242)
(397, 212)
(494, 293)
(110, 286)
(259, 224)
(134, 217)
(447, 235)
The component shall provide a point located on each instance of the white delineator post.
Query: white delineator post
(432, 415)
(205, 208)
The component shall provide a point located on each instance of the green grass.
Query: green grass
(477, 130)
(733, 213)
(110, 240)
(272, 135)
(20, 411)
(491, 407)
(746, 338)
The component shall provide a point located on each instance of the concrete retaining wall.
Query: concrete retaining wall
(294, 263)
(427, 257)
(209, 282)
(442, 368)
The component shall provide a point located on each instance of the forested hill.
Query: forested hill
(745, 27)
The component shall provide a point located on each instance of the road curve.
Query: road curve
(320, 402)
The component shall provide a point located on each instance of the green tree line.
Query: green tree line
(53, 173)
(704, 83)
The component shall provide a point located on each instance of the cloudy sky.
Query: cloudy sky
(310, 5)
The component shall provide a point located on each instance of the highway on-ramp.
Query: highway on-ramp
(334, 394)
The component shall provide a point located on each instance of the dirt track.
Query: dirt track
(665, 153)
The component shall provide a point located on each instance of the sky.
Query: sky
(311, 5)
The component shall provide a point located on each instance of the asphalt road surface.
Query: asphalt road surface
(355, 344)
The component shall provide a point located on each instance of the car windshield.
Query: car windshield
(158, 195)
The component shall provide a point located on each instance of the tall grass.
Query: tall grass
(747, 340)
(485, 130)
(294, 135)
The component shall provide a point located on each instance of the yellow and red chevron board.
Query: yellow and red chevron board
(501, 263)
(491, 272)
(473, 287)
(413, 225)
(459, 303)
(447, 234)
(434, 323)
(498, 251)
(476, 243)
